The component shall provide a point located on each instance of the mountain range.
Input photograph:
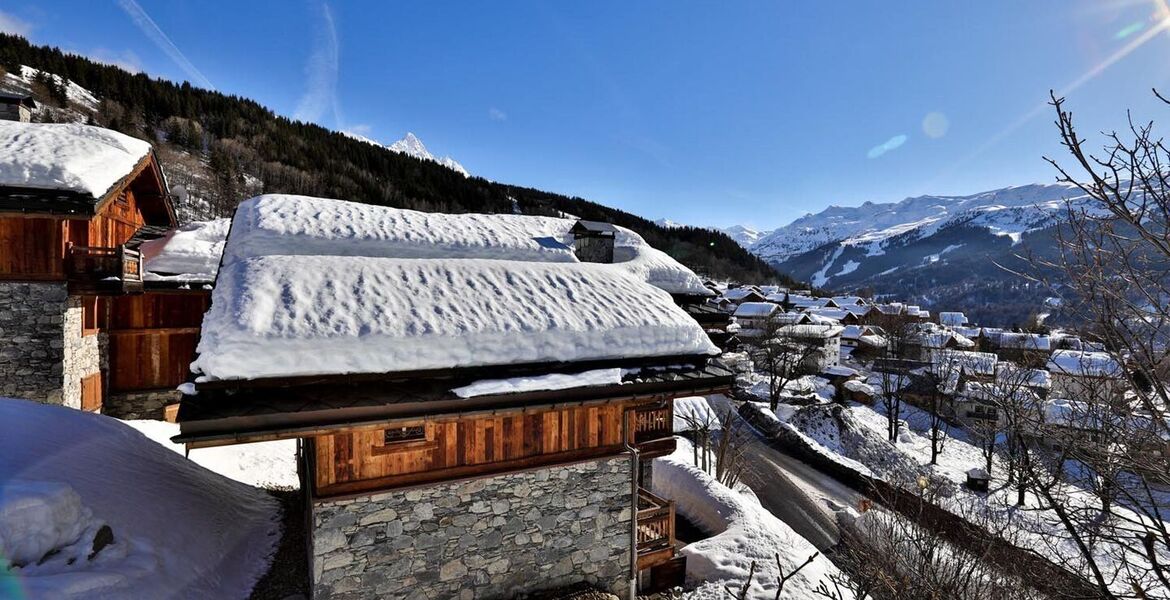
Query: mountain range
(944, 252)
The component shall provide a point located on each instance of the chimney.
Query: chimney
(593, 241)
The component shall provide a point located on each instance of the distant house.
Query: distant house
(826, 339)
(1083, 376)
(863, 340)
(740, 295)
(952, 319)
(593, 241)
(922, 344)
(16, 107)
(467, 426)
(1031, 348)
(754, 317)
(82, 325)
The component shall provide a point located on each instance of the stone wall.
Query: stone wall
(140, 405)
(43, 355)
(496, 537)
(32, 341)
(84, 355)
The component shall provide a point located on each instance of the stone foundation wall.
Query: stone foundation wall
(496, 537)
(140, 405)
(32, 342)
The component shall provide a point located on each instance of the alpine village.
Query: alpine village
(243, 355)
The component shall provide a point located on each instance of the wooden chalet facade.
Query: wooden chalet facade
(79, 315)
(391, 440)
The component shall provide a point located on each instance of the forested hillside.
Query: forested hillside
(219, 149)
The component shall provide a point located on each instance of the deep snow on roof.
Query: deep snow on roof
(309, 306)
(190, 253)
(66, 156)
(756, 309)
(300, 225)
(1088, 364)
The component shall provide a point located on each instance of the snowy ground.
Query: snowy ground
(179, 530)
(262, 464)
(857, 437)
(743, 532)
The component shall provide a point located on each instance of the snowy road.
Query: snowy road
(795, 492)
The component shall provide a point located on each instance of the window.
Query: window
(93, 315)
(400, 435)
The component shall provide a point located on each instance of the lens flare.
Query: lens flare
(935, 125)
(1129, 30)
(889, 145)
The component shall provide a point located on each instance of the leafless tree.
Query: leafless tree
(719, 444)
(781, 357)
(942, 379)
(1111, 267)
(888, 556)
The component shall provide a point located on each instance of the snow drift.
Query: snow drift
(745, 532)
(190, 253)
(179, 530)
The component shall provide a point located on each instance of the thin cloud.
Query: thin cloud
(321, 70)
(15, 25)
(496, 114)
(164, 43)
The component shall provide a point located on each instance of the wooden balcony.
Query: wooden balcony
(103, 271)
(654, 430)
(655, 530)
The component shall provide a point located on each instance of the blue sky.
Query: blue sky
(705, 113)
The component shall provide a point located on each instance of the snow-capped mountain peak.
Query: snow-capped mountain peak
(745, 236)
(412, 146)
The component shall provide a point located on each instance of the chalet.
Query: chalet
(754, 317)
(80, 323)
(16, 106)
(926, 341)
(467, 427)
(740, 295)
(593, 241)
(826, 338)
(952, 319)
(863, 340)
(1087, 377)
(1025, 348)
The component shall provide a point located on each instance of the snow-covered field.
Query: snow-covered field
(744, 532)
(179, 530)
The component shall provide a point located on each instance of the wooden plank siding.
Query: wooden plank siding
(354, 461)
(152, 338)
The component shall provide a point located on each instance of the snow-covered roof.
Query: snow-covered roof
(1088, 364)
(842, 301)
(1012, 374)
(326, 290)
(66, 156)
(294, 225)
(190, 253)
(739, 293)
(952, 319)
(1023, 341)
(810, 331)
(978, 363)
(756, 310)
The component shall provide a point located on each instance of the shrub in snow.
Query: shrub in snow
(40, 520)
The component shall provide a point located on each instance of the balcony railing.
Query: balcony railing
(655, 529)
(652, 423)
(103, 270)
